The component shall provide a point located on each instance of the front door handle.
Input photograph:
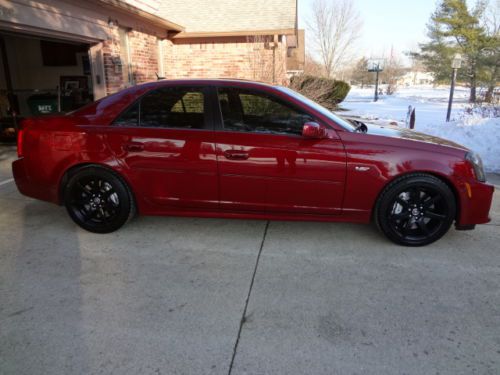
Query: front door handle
(133, 147)
(236, 155)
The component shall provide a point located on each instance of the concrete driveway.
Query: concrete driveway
(206, 296)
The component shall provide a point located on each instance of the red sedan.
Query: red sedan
(239, 149)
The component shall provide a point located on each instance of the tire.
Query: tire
(415, 210)
(98, 200)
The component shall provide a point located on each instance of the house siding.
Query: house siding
(143, 56)
(225, 57)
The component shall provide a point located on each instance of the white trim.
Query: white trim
(161, 68)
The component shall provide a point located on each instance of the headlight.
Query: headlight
(476, 162)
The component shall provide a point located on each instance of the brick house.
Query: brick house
(60, 47)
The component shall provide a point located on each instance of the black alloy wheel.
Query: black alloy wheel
(98, 200)
(416, 210)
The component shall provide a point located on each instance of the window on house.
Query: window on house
(248, 111)
(167, 108)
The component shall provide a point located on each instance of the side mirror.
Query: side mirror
(313, 130)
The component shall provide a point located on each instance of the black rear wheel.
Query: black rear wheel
(98, 200)
(416, 210)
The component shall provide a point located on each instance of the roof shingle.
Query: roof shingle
(230, 15)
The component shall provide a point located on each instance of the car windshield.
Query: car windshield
(337, 119)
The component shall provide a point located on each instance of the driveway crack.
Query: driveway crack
(243, 316)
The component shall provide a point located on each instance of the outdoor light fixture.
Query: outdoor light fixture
(377, 66)
(456, 64)
(457, 61)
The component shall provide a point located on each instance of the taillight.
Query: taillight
(20, 141)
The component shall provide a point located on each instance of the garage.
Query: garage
(56, 56)
(46, 63)
(42, 76)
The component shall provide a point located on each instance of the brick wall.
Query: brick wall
(112, 73)
(225, 57)
(143, 58)
(222, 57)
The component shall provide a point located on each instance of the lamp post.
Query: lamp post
(376, 66)
(455, 65)
(377, 70)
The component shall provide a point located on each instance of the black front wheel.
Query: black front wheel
(98, 200)
(416, 210)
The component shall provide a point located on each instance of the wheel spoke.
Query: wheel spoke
(406, 228)
(83, 188)
(80, 201)
(94, 201)
(402, 202)
(414, 195)
(434, 215)
(108, 193)
(401, 216)
(423, 227)
(431, 201)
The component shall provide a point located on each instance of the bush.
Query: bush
(325, 91)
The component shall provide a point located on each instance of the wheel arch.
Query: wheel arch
(77, 167)
(444, 178)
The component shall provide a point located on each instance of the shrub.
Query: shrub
(325, 91)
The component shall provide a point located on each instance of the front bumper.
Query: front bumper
(475, 203)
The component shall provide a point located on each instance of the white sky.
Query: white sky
(398, 24)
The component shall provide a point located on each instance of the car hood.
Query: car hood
(403, 133)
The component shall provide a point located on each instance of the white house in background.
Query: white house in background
(413, 78)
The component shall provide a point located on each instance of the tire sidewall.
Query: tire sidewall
(125, 199)
(396, 188)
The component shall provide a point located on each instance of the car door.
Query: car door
(265, 164)
(165, 140)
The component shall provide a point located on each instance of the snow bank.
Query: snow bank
(471, 130)
(479, 134)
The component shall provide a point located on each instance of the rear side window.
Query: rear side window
(178, 107)
(130, 117)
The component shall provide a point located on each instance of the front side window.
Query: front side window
(167, 108)
(249, 111)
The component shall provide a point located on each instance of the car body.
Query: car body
(216, 152)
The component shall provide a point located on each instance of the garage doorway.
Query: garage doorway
(42, 76)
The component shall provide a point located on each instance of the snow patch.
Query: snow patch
(472, 130)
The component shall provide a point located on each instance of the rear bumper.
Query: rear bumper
(28, 187)
(475, 203)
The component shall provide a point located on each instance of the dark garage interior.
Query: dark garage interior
(40, 76)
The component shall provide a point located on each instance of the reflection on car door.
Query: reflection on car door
(166, 141)
(264, 162)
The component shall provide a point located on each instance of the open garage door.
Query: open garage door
(41, 76)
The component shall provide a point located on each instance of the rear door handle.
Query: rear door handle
(133, 147)
(236, 155)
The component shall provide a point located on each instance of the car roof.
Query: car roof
(122, 98)
(204, 81)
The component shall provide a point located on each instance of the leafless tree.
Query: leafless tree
(312, 67)
(393, 71)
(335, 26)
(266, 59)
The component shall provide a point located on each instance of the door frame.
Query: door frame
(219, 121)
(97, 71)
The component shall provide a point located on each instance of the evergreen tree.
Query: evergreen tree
(454, 28)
